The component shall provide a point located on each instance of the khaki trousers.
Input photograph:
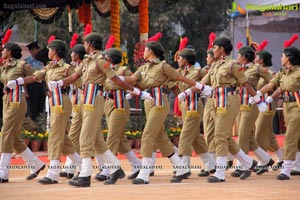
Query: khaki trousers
(12, 123)
(154, 131)
(223, 127)
(246, 138)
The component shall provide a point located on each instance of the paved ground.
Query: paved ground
(264, 187)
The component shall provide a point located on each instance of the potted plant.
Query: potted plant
(174, 134)
(130, 138)
(45, 141)
(137, 138)
(35, 131)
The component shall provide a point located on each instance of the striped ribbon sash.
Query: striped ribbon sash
(90, 92)
(192, 102)
(157, 95)
(264, 97)
(244, 97)
(295, 95)
(119, 99)
(76, 100)
(221, 99)
(15, 96)
(56, 101)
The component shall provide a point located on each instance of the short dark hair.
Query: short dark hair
(294, 55)
(247, 52)
(266, 57)
(33, 45)
(225, 43)
(189, 55)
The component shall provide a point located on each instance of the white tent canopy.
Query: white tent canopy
(275, 29)
(243, 3)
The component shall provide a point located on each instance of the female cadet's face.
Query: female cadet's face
(147, 53)
(241, 59)
(217, 51)
(87, 46)
(6, 54)
(51, 54)
(258, 60)
(181, 61)
(74, 57)
(209, 59)
(285, 60)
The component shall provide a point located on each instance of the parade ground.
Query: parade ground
(264, 187)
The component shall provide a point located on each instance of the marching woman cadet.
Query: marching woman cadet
(209, 117)
(224, 77)
(288, 80)
(14, 109)
(61, 108)
(192, 114)
(154, 76)
(94, 72)
(117, 111)
(263, 126)
(77, 55)
(249, 112)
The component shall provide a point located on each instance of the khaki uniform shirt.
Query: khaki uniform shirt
(14, 69)
(288, 79)
(95, 69)
(121, 71)
(56, 71)
(193, 73)
(155, 74)
(224, 73)
(254, 72)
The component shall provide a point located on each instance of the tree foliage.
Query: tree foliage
(197, 17)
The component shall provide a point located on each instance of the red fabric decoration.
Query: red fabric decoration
(211, 38)
(51, 38)
(87, 29)
(85, 13)
(110, 42)
(289, 42)
(144, 18)
(74, 40)
(262, 45)
(176, 109)
(239, 45)
(155, 37)
(183, 43)
(6, 36)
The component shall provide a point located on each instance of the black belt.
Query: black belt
(289, 99)
(99, 87)
(65, 90)
(109, 94)
(164, 90)
(230, 89)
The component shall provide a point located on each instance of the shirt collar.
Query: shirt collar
(11, 62)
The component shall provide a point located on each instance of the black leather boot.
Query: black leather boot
(81, 182)
(178, 179)
(34, 175)
(134, 175)
(119, 174)
(66, 175)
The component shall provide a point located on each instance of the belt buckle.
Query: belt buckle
(286, 98)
